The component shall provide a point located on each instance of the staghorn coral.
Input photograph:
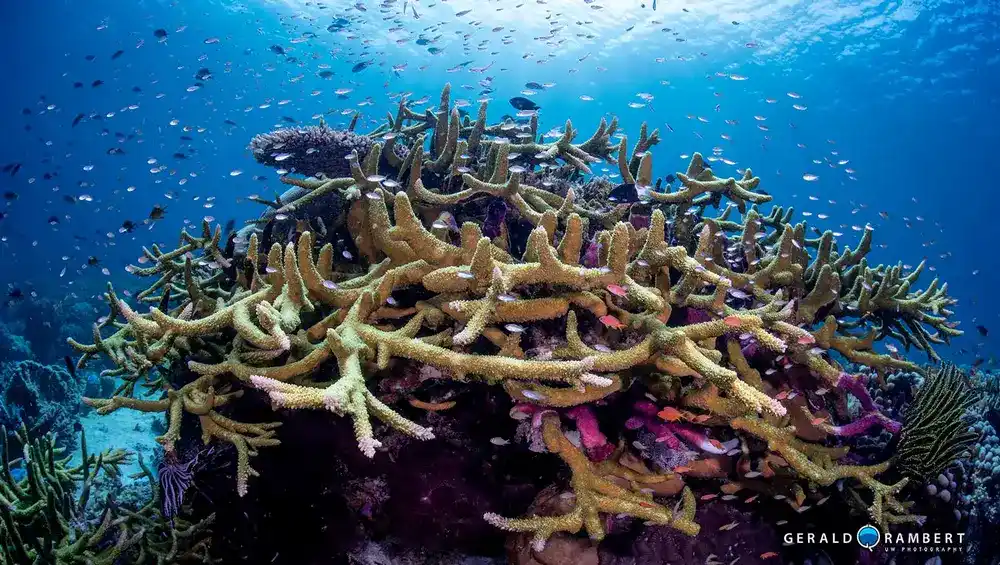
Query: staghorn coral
(727, 325)
(48, 515)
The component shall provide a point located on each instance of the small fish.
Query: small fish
(617, 290)
(611, 322)
(521, 103)
(361, 66)
(117, 54)
(93, 261)
(983, 330)
(277, 49)
(70, 366)
(670, 414)
(160, 34)
(157, 213)
(532, 395)
(728, 526)
(96, 83)
(128, 226)
(77, 119)
(625, 193)
(768, 555)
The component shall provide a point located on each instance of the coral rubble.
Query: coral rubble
(725, 335)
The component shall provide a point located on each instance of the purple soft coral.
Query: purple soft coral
(594, 442)
(855, 385)
(671, 433)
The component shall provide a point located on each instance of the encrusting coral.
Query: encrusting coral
(732, 327)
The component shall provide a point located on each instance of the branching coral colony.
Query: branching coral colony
(730, 326)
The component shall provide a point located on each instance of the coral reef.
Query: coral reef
(13, 347)
(49, 513)
(978, 479)
(45, 398)
(313, 150)
(40, 326)
(729, 335)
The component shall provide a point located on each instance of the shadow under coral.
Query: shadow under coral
(318, 497)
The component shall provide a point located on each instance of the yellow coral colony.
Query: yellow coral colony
(293, 303)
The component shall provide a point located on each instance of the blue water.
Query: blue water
(905, 91)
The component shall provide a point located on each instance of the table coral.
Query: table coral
(730, 323)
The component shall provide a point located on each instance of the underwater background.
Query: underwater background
(123, 123)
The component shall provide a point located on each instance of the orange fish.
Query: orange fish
(733, 321)
(716, 444)
(670, 414)
(702, 418)
(768, 555)
(781, 395)
(806, 339)
(617, 290)
(432, 406)
(817, 421)
(682, 469)
(708, 496)
(611, 321)
(751, 499)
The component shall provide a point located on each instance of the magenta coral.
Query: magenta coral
(594, 442)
